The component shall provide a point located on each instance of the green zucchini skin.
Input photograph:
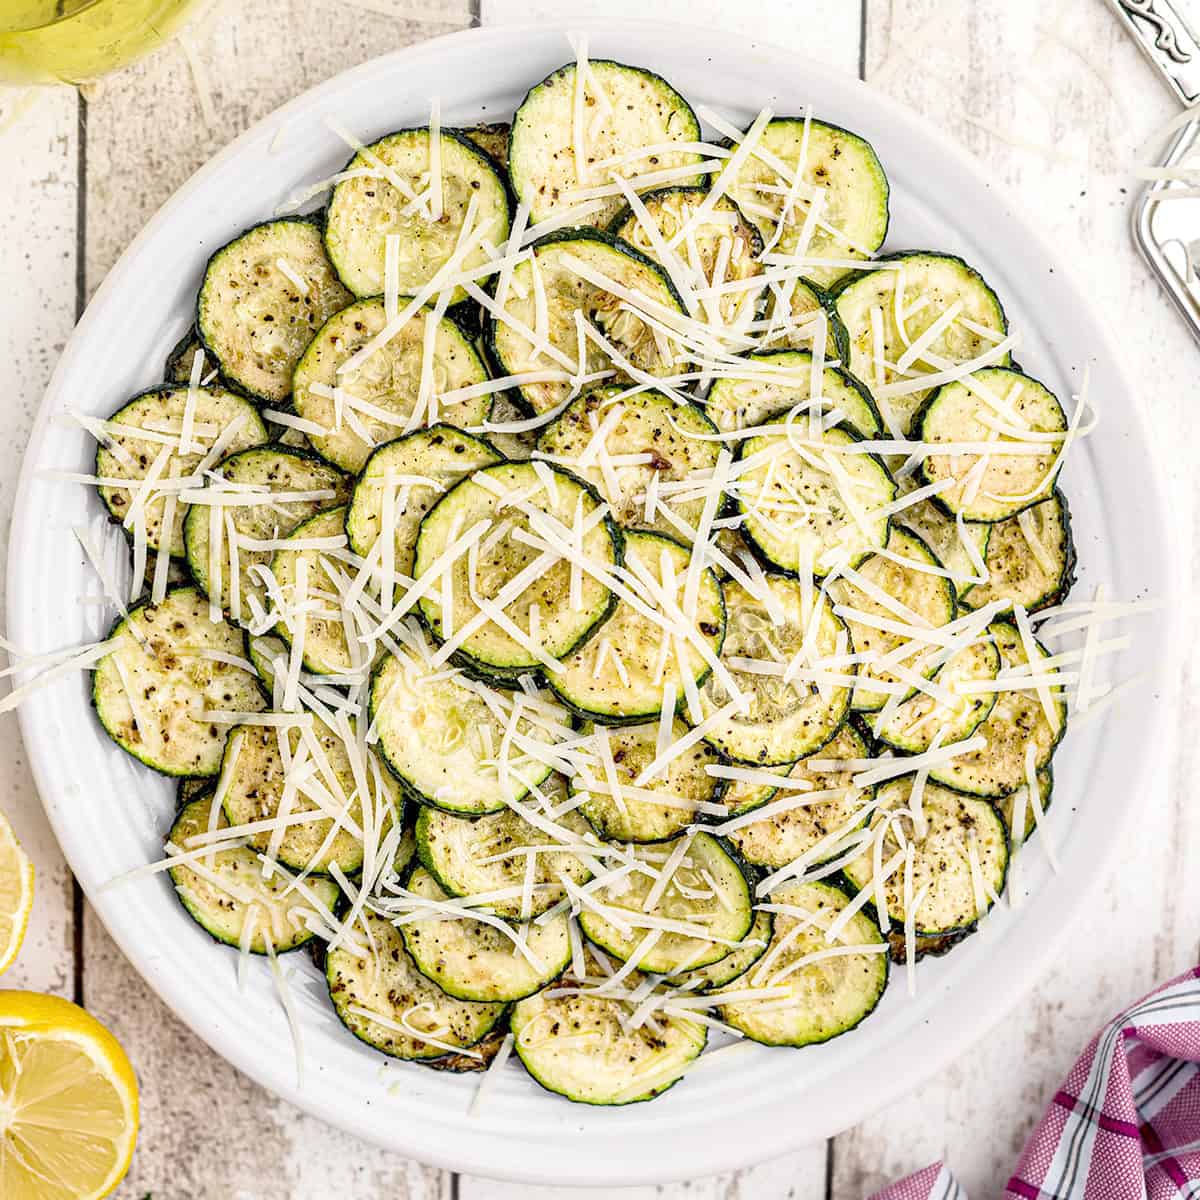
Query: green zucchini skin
(1016, 574)
(177, 367)
(472, 660)
(490, 137)
(504, 361)
(528, 131)
(268, 388)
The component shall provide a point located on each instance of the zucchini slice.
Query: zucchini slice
(627, 817)
(841, 514)
(411, 1017)
(1007, 806)
(1016, 722)
(1030, 558)
(625, 109)
(464, 857)
(651, 426)
(556, 271)
(825, 996)
(368, 208)
(940, 533)
(792, 305)
(706, 892)
(278, 474)
(159, 413)
(670, 209)
(193, 789)
(786, 384)
(388, 383)
(736, 963)
(478, 1058)
(438, 457)
(472, 960)
(783, 722)
(178, 365)
(491, 137)
(152, 691)
(263, 297)
(507, 498)
(232, 893)
(840, 167)
(441, 734)
(996, 485)
(781, 838)
(257, 791)
(961, 857)
(921, 286)
(620, 676)
(912, 727)
(577, 1042)
(929, 596)
(326, 650)
(263, 650)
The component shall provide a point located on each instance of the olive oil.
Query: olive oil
(76, 41)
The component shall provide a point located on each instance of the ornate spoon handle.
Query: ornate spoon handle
(1160, 30)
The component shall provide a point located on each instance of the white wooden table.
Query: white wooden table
(1056, 111)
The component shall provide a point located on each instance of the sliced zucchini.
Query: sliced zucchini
(736, 963)
(518, 445)
(411, 1017)
(670, 210)
(552, 272)
(491, 137)
(326, 649)
(478, 1058)
(922, 287)
(620, 676)
(840, 515)
(786, 384)
(263, 651)
(1007, 806)
(940, 533)
(961, 857)
(623, 817)
(463, 856)
(581, 1046)
(826, 997)
(929, 596)
(1030, 558)
(276, 473)
(926, 947)
(625, 109)
(160, 413)
(706, 892)
(782, 722)
(792, 305)
(503, 496)
(472, 960)
(287, 435)
(912, 727)
(154, 689)
(193, 789)
(368, 208)
(257, 791)
(781, 838)
(442, 735)
(965, 412)
(840, 167)
(254, 317)
(178, 365)
(648, 425)
(232, 893)
(1016, 722)
(388, 383)
(440, 456)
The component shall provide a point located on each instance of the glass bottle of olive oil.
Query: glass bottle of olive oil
(75, 41)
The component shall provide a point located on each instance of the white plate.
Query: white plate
(110, 813)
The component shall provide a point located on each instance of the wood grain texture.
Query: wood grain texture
(37, 312)
(1001, 77)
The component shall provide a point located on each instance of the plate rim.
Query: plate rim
(957, 1036)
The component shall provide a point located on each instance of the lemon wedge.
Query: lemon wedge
(68, 1102)
(16, 894)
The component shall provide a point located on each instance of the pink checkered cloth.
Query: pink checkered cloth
(1124, 1125)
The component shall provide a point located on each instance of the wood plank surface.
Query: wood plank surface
(1056, 102)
